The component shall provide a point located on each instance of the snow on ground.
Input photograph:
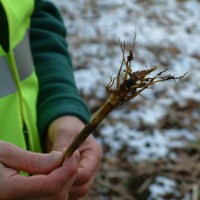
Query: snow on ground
(168, 35)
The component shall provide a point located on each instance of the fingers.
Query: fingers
(61, 133)
(89, 164)
(55, 185)
(33, 163)
(78, 192)
(88, 167)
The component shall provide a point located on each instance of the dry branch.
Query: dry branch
(121, 89)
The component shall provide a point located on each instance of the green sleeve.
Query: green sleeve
(58, 95)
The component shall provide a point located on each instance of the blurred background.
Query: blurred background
(152, 143)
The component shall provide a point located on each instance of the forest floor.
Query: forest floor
(152, 143)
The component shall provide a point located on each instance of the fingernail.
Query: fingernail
(55, 156)
(77, 156)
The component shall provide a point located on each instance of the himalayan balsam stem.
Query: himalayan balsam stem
(121, 89)
(97, 118)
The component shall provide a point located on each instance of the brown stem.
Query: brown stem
(128, 87)
(112, 102)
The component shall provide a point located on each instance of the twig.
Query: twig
(121, 89)
(107, 107)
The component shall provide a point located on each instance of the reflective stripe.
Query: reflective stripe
(7, 84)
(23, 58)
(24, 64)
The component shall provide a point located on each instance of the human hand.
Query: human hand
(61, 133)
(52, 180)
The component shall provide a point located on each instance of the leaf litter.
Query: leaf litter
(151, 144)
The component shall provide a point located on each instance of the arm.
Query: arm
(58, 94)
(61, 112)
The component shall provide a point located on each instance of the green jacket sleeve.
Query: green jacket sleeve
(58, 94)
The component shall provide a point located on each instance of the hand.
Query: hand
(51, 180)
(61, 133)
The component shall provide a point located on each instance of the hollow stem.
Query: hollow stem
(121, 90)
(112, 102)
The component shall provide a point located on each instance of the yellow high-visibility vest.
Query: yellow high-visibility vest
(18, 81)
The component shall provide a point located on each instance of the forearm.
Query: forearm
(58, 95)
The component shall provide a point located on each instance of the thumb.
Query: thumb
(33, 163)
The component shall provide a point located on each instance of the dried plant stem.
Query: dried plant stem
(96, 119)
(121, 89)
